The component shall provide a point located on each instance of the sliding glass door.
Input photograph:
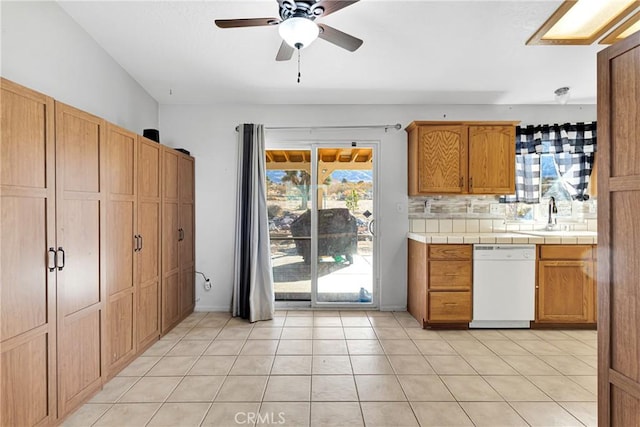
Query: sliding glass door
(321, 203)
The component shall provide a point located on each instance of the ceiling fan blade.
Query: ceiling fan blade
(285, 52)
(252, 22)
(331, 6)
(337, 37)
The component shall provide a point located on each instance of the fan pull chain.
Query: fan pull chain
(299, 66)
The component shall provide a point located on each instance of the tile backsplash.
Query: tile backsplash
(484, 214)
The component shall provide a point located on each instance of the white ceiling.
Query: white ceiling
(414, 52)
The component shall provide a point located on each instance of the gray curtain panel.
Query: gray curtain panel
(253, 296)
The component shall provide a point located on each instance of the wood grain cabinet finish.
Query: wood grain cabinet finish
(566, 284)
(121, 248)
(492, 157)
(461, 158)
(178, 254)
(440, 284)
(186, 191)
(133, 246)
(619, 234)
(149, 234)
(80, 232)
(82, 251)
(28, 385)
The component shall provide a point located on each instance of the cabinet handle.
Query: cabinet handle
(51, 261)
(471, 182)
(135, 243)
(180, 234)
(62, 259)
(449, 303)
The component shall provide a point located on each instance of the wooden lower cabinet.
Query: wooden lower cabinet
(440, 284)
(566, 284)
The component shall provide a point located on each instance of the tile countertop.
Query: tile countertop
(520, 237)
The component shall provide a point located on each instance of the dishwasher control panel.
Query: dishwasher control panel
(504, 252)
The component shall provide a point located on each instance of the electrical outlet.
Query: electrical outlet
(494, 209)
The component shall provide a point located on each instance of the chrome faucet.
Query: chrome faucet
(553, 209)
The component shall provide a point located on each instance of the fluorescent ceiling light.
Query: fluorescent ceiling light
(582, 21)
(624, 30)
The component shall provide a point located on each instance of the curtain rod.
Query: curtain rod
(397, 126)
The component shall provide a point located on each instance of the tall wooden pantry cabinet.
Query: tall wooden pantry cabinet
(81, 252)
(80, 241)
(619, 234)
(178, 261)
(28, 230)
(133, 246)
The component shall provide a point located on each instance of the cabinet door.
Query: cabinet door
(565, 291)
(442, 159)
(149, 229)
(170, 241)
(80, 221)
(492, 159)
(121, 228)
(187, 259)
(27, 231)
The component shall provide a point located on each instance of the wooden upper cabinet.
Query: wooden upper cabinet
(492, 159)
(441, 159)
(461, 158)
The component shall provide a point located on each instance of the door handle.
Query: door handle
(60, 262)
(371, 228)
(51, 259)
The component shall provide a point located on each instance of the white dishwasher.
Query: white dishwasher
(503, 286)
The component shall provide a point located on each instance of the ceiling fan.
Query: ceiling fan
(297, 25)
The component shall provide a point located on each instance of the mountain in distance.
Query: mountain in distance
(337, 176)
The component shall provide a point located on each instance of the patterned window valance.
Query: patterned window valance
(571, 138)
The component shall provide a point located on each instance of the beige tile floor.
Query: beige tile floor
(350, 368)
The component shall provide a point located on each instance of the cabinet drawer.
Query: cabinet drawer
(449, 252)
(450, 275)
(449, 306)
(566, 251)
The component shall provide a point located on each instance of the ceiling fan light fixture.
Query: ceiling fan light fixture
(298, 32)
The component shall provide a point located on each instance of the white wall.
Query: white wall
(209, 133)
(44, 49)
